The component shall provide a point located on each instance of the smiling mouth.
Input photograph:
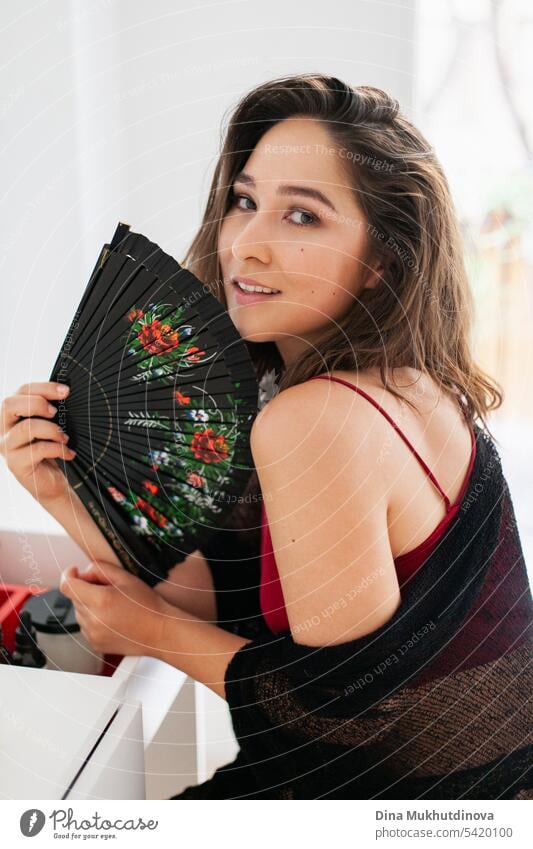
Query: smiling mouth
(258, 292)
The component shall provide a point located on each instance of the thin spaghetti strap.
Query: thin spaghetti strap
(395, 426)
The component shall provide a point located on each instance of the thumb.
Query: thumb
(100, 572)
(69, 572)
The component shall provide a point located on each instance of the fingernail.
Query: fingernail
(52, 410)
(62, 389)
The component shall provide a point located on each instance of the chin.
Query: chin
(257, 336)
(252, 331)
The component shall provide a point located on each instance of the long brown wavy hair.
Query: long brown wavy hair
(420, 314)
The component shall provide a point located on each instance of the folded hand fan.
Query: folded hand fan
(163, 394)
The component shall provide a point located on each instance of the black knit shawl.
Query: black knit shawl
(432, 705)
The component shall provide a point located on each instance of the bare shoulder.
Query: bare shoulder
(302, 420)
(418, 404)
(316, 432)
(320, 405)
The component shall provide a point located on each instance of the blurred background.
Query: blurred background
(112, 110)
(472, 100)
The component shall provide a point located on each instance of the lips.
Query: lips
(243, 297)
(249, 281)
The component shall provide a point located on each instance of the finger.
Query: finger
(22, 433)
(64, 581)
(65, 587)
(24, 406)
(78, 590)
(100, 571)
(82, 612)
(81, 617)
(80, 608)
(24, 460)
(93, 576)
(48, 388)
(84, 631)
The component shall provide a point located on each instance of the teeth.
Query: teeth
(246, 288)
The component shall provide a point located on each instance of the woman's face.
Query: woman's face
(310, 248)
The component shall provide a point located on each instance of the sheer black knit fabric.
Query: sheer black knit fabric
(435, 704)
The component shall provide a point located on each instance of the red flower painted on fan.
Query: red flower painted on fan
(116, 493)
(208, 447)
(150, 511)
(157, 338)
(151, 487)
(193, 355)
(134, 314)
(182, 399)
(195, 480)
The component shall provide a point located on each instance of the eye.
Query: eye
(235, 199)
(310, 215)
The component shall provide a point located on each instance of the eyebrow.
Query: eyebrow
(287, 189)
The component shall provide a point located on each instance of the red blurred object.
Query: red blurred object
(12, 598)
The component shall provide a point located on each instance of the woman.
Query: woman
(374, 641)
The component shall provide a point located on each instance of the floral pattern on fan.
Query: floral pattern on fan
(201, 441)
(169, 342)
(203, 453)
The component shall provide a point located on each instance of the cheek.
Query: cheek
(343, 277)
(224, 248)
(329, 302)
(338, 297)
(329, 279)
(225, 240)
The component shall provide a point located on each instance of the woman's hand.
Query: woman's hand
(117, 612)
(30, 444)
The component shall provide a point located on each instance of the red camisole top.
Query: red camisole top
(270, 591)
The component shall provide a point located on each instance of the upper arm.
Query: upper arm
(326, 506)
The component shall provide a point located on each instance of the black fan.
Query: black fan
(163, 394)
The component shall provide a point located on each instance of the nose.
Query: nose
(252, 242)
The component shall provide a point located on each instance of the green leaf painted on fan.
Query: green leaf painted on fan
(139, 419)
